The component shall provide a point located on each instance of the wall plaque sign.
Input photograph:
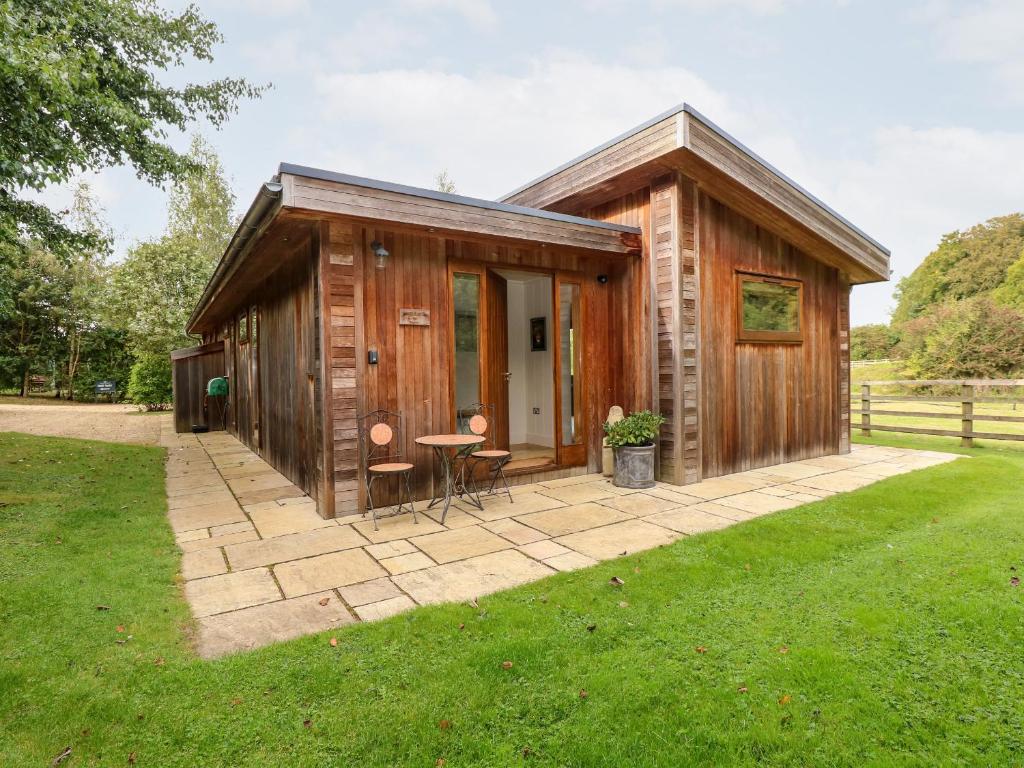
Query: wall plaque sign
(413, 316)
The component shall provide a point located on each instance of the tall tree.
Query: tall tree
(159, 282)
(80, 88)
(965, 264)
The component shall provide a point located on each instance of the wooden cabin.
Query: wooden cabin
(670, 269)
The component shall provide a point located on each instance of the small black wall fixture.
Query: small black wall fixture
(602, 279)
(371, 356)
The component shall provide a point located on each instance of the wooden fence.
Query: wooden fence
(967, 397)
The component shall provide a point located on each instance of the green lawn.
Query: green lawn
(878, 627)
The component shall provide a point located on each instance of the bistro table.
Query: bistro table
(448, 448)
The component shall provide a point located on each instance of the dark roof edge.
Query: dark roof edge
(590, 153)
(756, 157)
(387, 186)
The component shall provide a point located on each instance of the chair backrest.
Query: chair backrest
(476, 419)
(380, 437)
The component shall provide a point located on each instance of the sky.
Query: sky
(905, 116)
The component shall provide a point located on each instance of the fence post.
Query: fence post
(966, 416)
(865, 410)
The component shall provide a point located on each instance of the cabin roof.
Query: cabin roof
(432, 194)
(684, 138)
(299, 191)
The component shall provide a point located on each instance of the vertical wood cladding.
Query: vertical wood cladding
(763, 403)
(341, 285)
(412, 375)
(277, 392)
(665, 228)
(689, 309)
(843, 307)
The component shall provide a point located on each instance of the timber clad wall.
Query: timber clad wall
(763, 403)
(342, 280)
(688, 369)
(665, 254)
(843, 307)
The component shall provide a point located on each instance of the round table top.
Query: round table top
(449, 441)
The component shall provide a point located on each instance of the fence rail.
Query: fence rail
(967, 400)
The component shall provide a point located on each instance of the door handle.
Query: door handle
(507, 375)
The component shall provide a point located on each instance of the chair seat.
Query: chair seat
(490, 454)
(395, 466)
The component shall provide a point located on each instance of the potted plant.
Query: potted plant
(632, 439)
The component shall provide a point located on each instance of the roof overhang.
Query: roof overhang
(299, 192)
(684, 140)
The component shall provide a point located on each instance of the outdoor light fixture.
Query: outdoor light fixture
(381, 253)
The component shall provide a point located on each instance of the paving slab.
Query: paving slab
(201, 498)
(293, 546)
(279, 520)
(514, 531)
(570, 561)
(578, 494)
(579, 517)
(366, 592)
(640, 504)
(270, 623)
(205, 516)
(388, 549)
(466, 579)
(447, 546)
(399, 527)
(542, 550)
(405, 563)
(384, 609)
(271, 494)
(337, 569)
(212, 542)
(202, 563)
(495, 509)
(231, 591)
(689, 520)
(618, 539)
(718, 487)
(758, 503)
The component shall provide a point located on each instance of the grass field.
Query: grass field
(878, 627)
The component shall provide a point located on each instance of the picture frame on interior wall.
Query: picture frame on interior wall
(538, 334)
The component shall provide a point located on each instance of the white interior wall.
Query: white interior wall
(518, 344)
(540, 427)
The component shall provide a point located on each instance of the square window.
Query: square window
(768, 308)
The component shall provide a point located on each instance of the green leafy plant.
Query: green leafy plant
(150, 381)
(640, 428)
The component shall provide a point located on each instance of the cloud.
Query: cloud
(479, 13)
(988, 33)
(494, 131)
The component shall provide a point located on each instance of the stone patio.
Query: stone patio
(260, 565)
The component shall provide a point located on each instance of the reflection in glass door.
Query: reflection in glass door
(570, 373)
(466, 310)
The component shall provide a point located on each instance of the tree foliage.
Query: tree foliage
(965, 264)
(150, 381)
(972, 338)
(159, 283)
(80, 89)
(872, 342)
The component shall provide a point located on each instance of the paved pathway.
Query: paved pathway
(260, 565)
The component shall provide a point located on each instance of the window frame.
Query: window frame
(761, 336)
(243, 327)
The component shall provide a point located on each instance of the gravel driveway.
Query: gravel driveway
(113, 423)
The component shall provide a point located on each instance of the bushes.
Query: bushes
(150, 381)
(640, 428)
(872, 342)
(974, 338)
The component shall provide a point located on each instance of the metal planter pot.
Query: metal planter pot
(634, 467)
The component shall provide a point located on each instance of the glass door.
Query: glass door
(569, 381)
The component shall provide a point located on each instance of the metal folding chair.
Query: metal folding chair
(477, 419)
(380, 442)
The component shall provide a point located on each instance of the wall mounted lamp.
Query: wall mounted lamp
(381, 253)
